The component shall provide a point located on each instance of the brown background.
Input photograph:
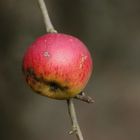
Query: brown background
(111, 30)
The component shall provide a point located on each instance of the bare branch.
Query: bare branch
(47, 21)
(71, 108)
(75, 125)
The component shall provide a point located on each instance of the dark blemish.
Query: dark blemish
(54, 86)
(30, 73)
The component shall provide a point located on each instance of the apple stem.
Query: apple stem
(75, 125)
(71, 108)
(47, 21)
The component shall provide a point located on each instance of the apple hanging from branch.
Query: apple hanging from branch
(57, 65)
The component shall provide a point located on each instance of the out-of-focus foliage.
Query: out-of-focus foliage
(111, 30)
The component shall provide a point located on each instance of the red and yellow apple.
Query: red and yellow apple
(57, 65)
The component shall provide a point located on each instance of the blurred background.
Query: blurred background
(111, 30)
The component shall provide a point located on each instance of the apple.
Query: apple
(57, 65)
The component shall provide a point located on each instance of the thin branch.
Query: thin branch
(75, 126)
(47, 21)
(71, 108)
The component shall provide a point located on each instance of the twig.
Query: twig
(75, 125)
(71, 108)
(84, 98)
(47, 21)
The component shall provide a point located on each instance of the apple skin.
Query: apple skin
(57, 65)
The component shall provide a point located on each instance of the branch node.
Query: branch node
(74, 130)
(51, 31)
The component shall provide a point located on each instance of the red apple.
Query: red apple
(57, 65)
